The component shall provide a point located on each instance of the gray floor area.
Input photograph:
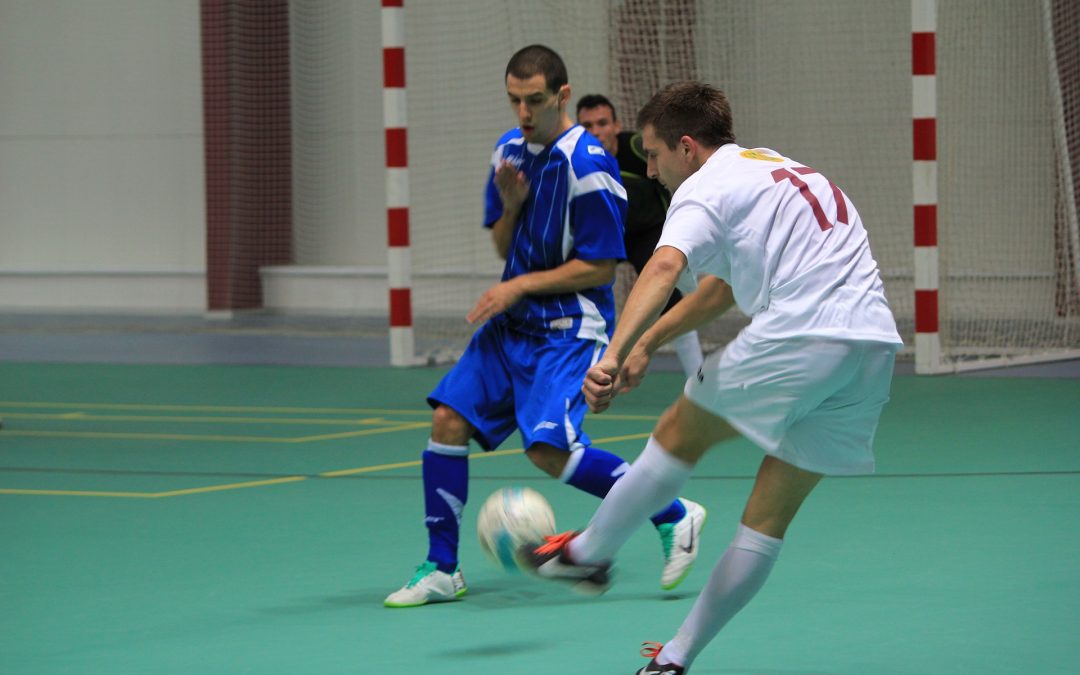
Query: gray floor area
(258, 338)
(251, 339)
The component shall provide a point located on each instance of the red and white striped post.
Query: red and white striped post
(924, 135)
(402, 347)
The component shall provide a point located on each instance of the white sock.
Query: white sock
(737, 577)
(688, 349)
(651, 483)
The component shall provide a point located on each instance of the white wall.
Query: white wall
(102, 195)
(339, 216)
(455, 58)
(101, 155)
(102, 198)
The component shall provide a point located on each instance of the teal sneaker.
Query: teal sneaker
(428, 585)
(681, 542)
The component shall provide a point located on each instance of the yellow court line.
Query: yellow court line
(365, 432)
(627, 437)
(215, 408)
(154, 495)
(79, 493)
(414, 462)
(118, 435)
(285, 479)
(263, 409)
(231, 486)
(370, 469)
(618, 417)
(84, 417)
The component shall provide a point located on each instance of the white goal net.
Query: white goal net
(827, 83)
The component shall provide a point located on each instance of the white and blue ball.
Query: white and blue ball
(511, 518)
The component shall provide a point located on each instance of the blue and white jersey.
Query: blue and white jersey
(575, 209)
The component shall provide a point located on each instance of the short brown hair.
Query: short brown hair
(538, 60)
(590, 101)
(692, 109)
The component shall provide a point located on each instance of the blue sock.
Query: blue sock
(595, 470)
(446, 489)
(672, 514)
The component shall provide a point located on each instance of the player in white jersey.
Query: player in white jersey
(806, 380)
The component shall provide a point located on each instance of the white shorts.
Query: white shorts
(814, 403)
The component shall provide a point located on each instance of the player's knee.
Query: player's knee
(779, 491)
(772, 524)
(688, 431)
(449, 427)
(548, 458)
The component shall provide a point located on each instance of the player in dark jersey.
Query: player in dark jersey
(648, 202)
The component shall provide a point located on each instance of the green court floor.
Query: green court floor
(246, 519)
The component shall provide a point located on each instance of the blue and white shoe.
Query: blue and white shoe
(681, 542)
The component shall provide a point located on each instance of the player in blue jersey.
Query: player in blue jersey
(555, 208)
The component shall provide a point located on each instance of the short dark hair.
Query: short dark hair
(589, 101)
(692, 109)
(538, 60)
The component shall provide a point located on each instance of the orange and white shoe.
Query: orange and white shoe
(651, 650)
(551, 561)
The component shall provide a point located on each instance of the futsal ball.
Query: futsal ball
(510, 518)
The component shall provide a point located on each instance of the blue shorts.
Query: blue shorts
(510, 380)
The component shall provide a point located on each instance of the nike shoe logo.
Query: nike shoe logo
(689, 547)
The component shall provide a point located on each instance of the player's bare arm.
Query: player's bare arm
(513, 191)
(570, 277)
(647, 298)
(712, 298)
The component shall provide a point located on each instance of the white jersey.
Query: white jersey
(788, 242)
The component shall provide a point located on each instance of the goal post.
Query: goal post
(995, 224)
(977, 240)
(960, 150)
(395, 126)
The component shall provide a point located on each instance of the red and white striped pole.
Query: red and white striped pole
(402, 346)
(924, 135)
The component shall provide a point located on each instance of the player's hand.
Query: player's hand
(495, 300)
(511, 184)
(599, 385)
(633, 370)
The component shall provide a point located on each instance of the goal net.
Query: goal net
(1007, 228)
(827, 83)
(830, 85)
(457, 110)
